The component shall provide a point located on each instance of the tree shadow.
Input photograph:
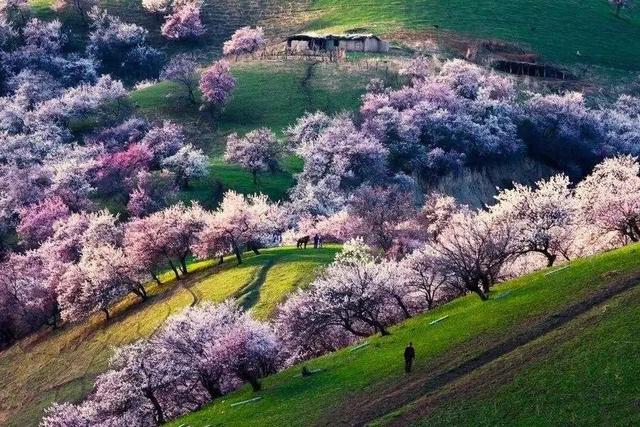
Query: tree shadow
(249, 295)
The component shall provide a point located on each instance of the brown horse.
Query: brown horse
(302, 242)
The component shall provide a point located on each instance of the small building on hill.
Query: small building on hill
(326, 42)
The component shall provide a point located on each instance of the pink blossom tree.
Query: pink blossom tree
(216, 83)
(187, 163)
(609, 197)
(117, 171)
(102, 277)
(121, 46)
(82, 231)
(67, 415)
(304, 331)
(37, 221)
(423, 273)
(257, 151)
(248, 351)
(245, 40)
(182, 69)
(339, 159)
(474, 249)
(144, 386)
(27, 299)
(164, 237)
(155, 191)
(184, 22)
(240, 222)
(355, 296)
(159, 7)
(307, 129)
(543, 218)
(164, 140)
(417, 68)
(378, 211)
(435, 214)
(189, 338)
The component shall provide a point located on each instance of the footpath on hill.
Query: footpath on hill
(416, 388)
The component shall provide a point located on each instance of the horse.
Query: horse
(302, 242)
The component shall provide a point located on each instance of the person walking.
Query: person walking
(409, 355)
(316, 239)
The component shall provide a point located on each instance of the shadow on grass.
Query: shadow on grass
(249, 295)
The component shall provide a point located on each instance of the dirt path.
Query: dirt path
(306, 82)
(368, 406)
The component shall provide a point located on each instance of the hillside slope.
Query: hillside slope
(61, 365)
(367, 382)
(585, 371)
(568, 32)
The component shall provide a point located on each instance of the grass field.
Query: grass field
(61, 365)
(556, 29)
(583, 374)
(360, 380)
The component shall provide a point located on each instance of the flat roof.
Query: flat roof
(347, 36)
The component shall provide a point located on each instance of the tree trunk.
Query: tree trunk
(403, 307)
(173, 267)
(221, 261)
(211, 386)
(236, 251)
(140, 291)
(254, 248)
(156, 406)
(429, 303)
(551, 258)
(255, 177)
(483, 296)
(106, 313)
(486, 285)
(635, 231)
(379, 327)
(354, 332)
(183, 264)
(251, 379)
(155, 277)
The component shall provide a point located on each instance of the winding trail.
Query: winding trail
(366, 406)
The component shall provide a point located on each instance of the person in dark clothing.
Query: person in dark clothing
(409, 355)
(316, 239)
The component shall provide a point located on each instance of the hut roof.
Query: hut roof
(348, 36)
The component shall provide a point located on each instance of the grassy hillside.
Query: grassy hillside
(269, 94)
(586, 373)
(364, 383)
(556, 29)
(61, 365)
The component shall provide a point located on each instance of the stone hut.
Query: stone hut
(326, 42)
